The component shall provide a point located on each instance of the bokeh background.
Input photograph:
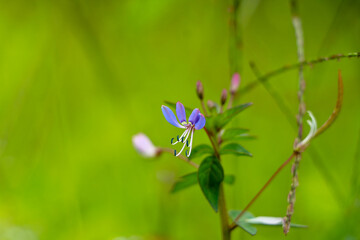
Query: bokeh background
(79, 78)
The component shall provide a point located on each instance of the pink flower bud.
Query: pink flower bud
(144, 146)
(235, 83)
(223, 96)
(200, 90)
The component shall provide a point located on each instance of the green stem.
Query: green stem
(213, 143)
(203, 107)
(223, 214)
(236, 42)
(224, 219)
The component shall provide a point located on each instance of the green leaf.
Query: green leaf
(191, 179)
(241, 222)
(173, 106)
(229, 179)
(210, 176)
(201, 150)
(219, 121)
(235, 149)
(233, 134)
(184, 182)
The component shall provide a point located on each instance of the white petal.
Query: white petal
(266, 220)
(313, 128)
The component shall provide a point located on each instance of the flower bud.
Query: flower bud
(200, 90)
(235, 82)
(212, 106)
(224, 95)
(144, 146)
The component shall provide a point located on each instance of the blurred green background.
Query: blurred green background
(79, 78)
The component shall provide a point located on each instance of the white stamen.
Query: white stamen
(184, 133)
(187, 135)
(191, 140)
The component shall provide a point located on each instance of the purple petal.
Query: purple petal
(180, 112)
(194, 117)
(201, 123)
(170, 116)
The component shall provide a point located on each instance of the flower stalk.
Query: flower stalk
(200, 94)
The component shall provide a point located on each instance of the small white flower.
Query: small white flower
(144, 146)
(313, 128)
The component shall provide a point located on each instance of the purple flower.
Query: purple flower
(196, 121)
(144, 146)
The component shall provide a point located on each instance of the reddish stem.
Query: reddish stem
(234, 225)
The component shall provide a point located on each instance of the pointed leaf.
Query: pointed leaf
(224, 118)
(201, 150)
(235, 149)
(191, 179)
(210, 176)
(233, 134)
(184, 182)
(242, 221)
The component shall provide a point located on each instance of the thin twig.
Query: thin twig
(337, 108)
(250, 86)
(296, 20)
(171, 151)
(234, 225)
